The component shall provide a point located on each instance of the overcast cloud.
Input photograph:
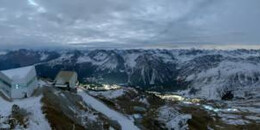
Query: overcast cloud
(128, 23)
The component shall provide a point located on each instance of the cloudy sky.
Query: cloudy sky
(129, 23)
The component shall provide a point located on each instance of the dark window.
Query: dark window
(6, 83)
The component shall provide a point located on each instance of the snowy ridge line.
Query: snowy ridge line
(125, 123)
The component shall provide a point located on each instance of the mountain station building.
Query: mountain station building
(19, 82)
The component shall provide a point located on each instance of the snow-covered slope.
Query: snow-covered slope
(227, 76)
(126, 124)
(36, 118)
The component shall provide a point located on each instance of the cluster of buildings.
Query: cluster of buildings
(22, 82)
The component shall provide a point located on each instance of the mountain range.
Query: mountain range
(210, 74)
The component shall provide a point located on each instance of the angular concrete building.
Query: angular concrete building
(19, 82)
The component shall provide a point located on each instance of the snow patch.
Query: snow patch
(144, 101)
(110, 94)
(44, 56)
(173, 119)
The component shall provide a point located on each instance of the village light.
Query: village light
(232, 109)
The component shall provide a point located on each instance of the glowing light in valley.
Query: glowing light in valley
(190, 101)
(37, 6)
(210, 108)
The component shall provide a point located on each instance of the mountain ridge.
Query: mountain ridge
(194, 73)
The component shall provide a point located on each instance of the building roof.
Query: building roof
(18, 73)
(65, 75)
(4, 77)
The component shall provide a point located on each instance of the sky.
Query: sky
(129, 23)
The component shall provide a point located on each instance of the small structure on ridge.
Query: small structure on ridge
(66, 80)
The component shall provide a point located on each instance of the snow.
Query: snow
(229, 116)
(32, 105)
(18, 73)
(130, 59)
(153, 77)
(233, 119)
(107, 64)
(212, 82)
(4, 126)
(5, 107)
(110, 94)
(91, 116)
(64, 56)
(100, 60)
(100, 56)
(236, 121)
(228, 68)
(44, 56)
(42, 83)
(125, 123)
(144, 101)
(83, 59)
(174, 119)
